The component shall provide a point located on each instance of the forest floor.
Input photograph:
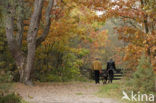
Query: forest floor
(70, 92)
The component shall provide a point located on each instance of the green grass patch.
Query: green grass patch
(115, 89)
(112, 90)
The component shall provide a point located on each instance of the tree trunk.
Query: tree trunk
(155, 84)
(32, 35)
(25, 64)
(31, 38)
(30, 61)
(12, 43)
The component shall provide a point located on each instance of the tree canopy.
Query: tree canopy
(62, 37)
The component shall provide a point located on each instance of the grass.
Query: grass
(112, 90)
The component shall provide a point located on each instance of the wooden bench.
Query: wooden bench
(117, 75)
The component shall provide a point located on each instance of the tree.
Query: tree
(138, 29)
(143, 78)
(60, 57)
(25, 62)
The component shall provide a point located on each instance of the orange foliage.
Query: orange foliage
(99, 41)
(140, 36)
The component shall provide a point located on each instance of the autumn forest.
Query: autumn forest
(52, 44)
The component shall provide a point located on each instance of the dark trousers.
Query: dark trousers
(97, 74)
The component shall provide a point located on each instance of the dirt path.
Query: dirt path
(61, 93)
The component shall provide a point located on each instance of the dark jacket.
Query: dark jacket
(111, 65)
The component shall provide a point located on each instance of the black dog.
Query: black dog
(104, 77)
(107, 76)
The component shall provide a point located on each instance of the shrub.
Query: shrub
(11, 98)
(143, 79)
(67, 70)
(5, 82)
(6, 76)
(5, 85)
(50, 77)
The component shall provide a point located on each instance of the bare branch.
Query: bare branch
(47, 25)
(35, 20)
